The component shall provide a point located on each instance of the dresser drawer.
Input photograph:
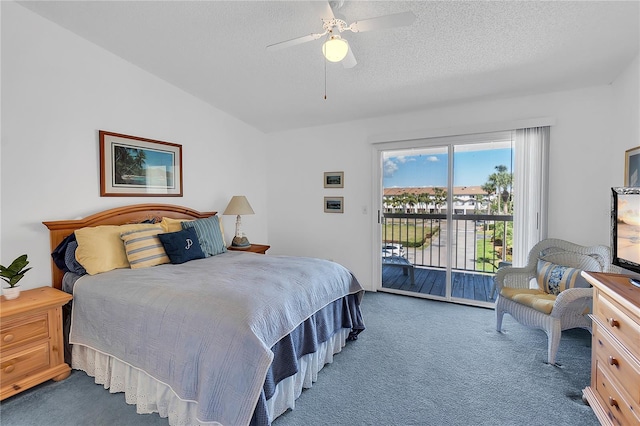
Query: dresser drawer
(23, 330)
(20, 364)
(619, 410)
(618, 321)
(618, 363)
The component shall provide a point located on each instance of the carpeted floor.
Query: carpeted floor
(419, 362)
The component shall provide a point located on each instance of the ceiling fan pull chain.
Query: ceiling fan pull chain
(325, 79)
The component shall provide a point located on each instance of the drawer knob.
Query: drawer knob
(613, 402)
(9, 368)
(8, 338)
(613, 361)
(613, 322)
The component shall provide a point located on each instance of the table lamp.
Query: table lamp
(239, 206)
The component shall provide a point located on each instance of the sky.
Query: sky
(158, 158)
(428, 167)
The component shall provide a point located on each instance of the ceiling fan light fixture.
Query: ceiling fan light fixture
(335, 48)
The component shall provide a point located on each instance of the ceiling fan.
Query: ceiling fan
(335, 48)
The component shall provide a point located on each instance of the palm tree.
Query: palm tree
(439, 198)
(503, 181)
(410, 199)
(128, 162)
(395, 202)
(490, 188)
(499, 183)
(424, 198)
(479, 202)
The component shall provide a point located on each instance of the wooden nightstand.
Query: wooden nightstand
(31, 340)
(254, 248)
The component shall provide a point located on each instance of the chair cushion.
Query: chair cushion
(553, 278)
(533, 298)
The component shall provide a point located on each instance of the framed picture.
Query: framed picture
(334, 179)
(333, 204)
(632, 167)
(131, 166)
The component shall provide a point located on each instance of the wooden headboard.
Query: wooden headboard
(60, 229)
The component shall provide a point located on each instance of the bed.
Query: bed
(225, 337)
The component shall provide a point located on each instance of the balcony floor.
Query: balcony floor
(466, 285)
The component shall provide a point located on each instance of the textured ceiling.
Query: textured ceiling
(455, 51)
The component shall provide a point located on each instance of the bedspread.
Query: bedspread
(205, 328)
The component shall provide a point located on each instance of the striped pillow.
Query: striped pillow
(209, 234)
(143, 248)
(554, 279)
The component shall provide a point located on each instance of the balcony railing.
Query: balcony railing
(479, 241)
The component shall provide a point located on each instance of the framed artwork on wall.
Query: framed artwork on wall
(334, 204)
(632, 167)
(132, 166)
(334, 179)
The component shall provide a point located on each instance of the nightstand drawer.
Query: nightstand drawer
(31, 340)
(15, 333)
(20, 364)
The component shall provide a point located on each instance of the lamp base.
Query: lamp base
(240, 243)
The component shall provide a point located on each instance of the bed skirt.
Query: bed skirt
(152, 396)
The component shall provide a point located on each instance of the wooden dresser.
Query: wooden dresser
(614, 393)
(31, 340)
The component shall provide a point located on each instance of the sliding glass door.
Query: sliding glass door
(447, 217)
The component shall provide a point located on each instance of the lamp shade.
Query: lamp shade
(335, 48)
(238, 206)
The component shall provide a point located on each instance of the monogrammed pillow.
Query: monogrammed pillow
(182, 246)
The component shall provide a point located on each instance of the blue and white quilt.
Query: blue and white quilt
(205, 328)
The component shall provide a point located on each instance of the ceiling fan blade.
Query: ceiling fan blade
(388, 21)
(322, 9)
(349, 61)
(294, 41)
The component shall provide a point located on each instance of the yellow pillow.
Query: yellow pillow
(143, 248)
(100, 248)
(174, 225)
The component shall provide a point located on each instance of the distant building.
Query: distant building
(466, 200)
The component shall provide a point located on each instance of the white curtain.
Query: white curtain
(530, 187)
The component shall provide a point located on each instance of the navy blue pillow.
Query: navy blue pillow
(70, 259)
(59, 253)
(182, 246)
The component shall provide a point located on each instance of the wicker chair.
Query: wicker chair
(541, 308)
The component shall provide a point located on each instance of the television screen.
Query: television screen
(625, 228)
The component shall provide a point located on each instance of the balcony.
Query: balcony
(480, 244)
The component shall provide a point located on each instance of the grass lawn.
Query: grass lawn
(409, 235)
(418, 234)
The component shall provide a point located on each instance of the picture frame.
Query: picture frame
(632, 167)
(334, 179)
(334, 204)
(132, 166)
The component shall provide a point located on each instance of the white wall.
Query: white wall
(626, 110)
(587, 147)
(58, 90)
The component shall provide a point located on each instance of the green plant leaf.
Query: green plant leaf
(15, 272)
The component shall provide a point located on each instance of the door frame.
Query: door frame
(398, 139)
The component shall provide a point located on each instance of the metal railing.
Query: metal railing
(479, 242)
